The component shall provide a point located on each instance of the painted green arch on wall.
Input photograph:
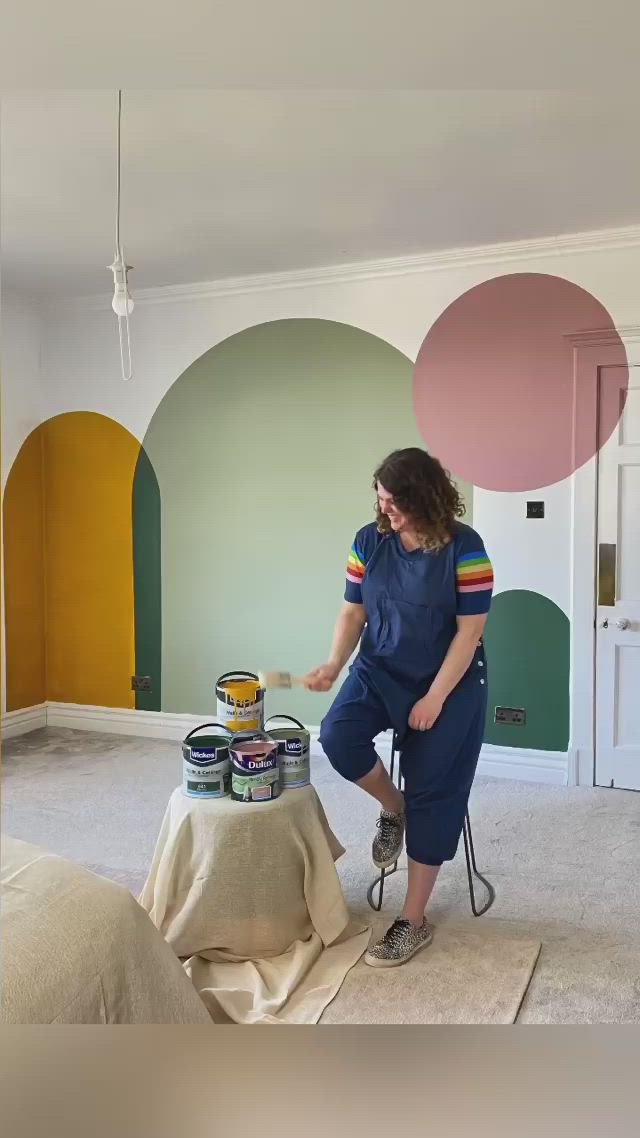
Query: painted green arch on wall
(527, 643)
(263, 451)
(147, 581)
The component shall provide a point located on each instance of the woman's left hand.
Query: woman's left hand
(425, 712)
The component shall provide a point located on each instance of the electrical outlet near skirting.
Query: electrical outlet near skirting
(141, 683)
(514, 716)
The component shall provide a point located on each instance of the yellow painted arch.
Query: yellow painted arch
(86, 576)
(23, 545)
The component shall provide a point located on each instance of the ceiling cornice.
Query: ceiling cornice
(603, 240)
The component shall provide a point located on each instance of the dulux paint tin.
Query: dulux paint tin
(206, 767)
(294, 746)
(240, 701)
(255, 773)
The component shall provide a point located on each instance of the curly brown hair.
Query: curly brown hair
(424, 491)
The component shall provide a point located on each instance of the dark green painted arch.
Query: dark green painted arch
(147, 581)
(527, 642)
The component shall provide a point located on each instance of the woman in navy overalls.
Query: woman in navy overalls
(418, 590)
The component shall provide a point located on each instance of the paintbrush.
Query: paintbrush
(269, 680)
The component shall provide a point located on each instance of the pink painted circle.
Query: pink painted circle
(493, 385)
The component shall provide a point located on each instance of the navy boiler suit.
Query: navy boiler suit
(411, 601)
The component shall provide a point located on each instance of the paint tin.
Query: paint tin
(240, 701)
(294, 747)
(206, 767)
(255, 774)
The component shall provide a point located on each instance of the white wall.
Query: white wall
(80, 359)
(23, 403)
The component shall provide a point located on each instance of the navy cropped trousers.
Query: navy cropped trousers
(438, 766)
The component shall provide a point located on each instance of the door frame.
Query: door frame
(591, 351)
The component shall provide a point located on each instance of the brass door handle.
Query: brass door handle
(606, 575)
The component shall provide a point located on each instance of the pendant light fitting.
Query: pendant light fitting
(122, 302)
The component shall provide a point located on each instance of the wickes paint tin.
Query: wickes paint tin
(206, 767)
(294, 748)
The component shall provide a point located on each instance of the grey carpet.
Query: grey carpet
(565, 861)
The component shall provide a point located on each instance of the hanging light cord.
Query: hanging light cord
(119, 261)
(118, 174)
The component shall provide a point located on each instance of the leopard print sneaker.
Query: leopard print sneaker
(399, 944)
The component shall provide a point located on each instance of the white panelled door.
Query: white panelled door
(618, 599)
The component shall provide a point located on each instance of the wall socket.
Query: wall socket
(141, 683)
(516, 716)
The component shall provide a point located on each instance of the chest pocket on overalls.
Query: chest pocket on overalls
(409, 630)
(402, 624)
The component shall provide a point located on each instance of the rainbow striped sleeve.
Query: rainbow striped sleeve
(364, 544)
(355, 566)
(474, 582)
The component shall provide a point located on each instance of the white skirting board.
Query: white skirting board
(499, 762)
(124, 720)
(25, 720)
(496, 762)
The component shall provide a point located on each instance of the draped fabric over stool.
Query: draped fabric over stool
(248, 896)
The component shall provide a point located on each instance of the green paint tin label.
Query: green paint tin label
(210, 789)
(257, 786)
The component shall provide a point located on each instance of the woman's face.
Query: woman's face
(397, 520)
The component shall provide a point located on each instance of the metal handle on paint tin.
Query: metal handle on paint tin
(238, 675)
(202, 727)
(291, 719)
(249, 734)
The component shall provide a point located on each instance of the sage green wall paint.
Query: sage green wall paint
(527, 643)
(264, 450)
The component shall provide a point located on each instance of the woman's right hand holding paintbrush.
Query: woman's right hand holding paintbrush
(322, 678)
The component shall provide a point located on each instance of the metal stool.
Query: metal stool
(472, 869)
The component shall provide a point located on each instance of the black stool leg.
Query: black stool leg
(473, 871)
(380, 879)
(470, 855)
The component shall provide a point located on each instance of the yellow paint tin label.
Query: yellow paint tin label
(240, 702)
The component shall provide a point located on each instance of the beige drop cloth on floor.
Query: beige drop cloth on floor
(248, 896)
(79, 949)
